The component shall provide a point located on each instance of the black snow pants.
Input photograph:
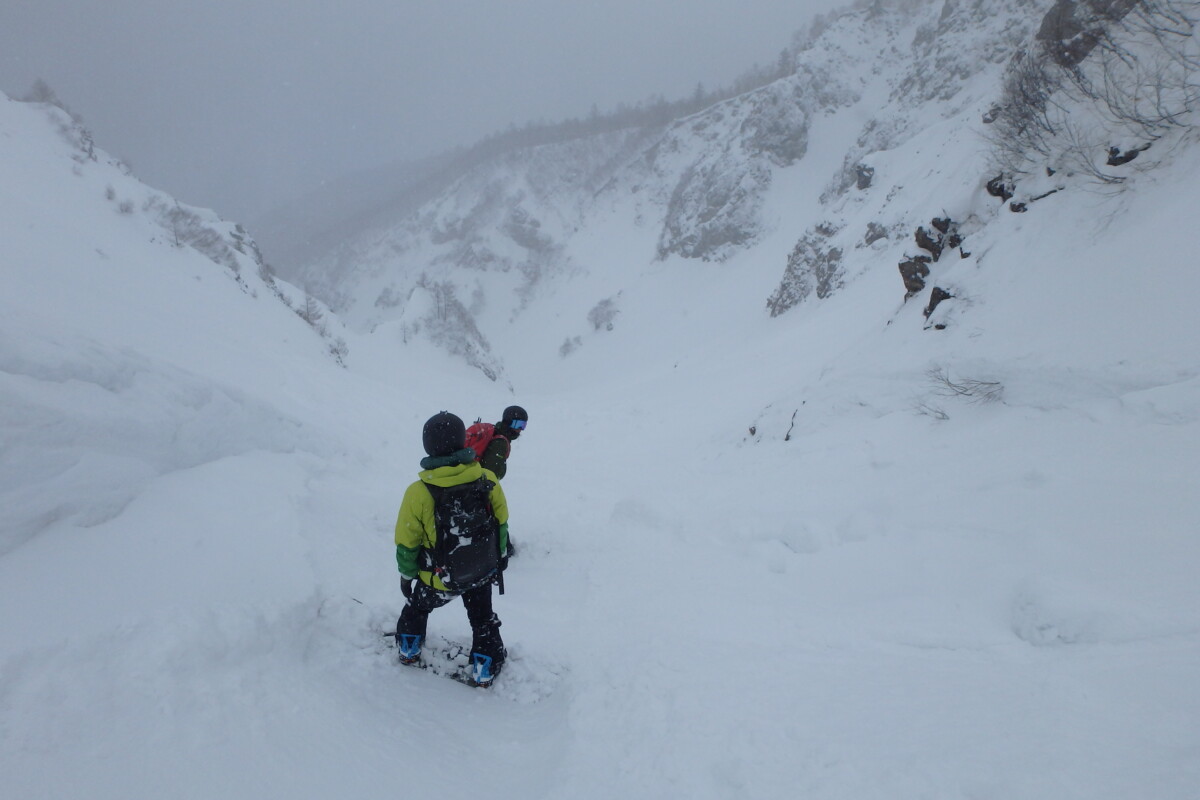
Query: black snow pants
(485, 625)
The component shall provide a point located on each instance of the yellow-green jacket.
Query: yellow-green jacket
(415, 528)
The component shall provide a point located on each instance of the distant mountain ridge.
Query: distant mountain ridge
(470, 257)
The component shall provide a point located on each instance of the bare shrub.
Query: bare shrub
(267, 274)
(311, 312)
(569, 345)
(603, 314)
(973, 390)
(1100, 75)
(339, 350)
(926, 409)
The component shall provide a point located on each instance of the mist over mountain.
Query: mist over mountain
(753, 174)
(731, 179)
(864, 406)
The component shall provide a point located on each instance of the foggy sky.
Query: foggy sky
(238, 106)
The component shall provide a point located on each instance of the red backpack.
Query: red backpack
(481, 434)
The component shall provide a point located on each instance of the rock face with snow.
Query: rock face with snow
(813, 269)
(720, 165)
(1073, 28)
(702, 185)
(717, 186)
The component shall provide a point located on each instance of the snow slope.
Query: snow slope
(760, 557)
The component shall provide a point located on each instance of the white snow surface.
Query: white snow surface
(880, 592)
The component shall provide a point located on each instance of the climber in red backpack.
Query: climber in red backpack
(493, 444)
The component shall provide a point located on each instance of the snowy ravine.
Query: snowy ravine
(581, 224)
(761, 557)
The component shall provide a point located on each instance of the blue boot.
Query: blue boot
(484, 669)
(410, 647)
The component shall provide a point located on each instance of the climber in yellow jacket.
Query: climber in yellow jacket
(452, 541)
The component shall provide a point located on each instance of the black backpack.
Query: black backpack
(467, 551)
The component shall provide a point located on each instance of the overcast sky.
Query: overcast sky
(238, 105)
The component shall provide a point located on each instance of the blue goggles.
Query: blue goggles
(518, 424)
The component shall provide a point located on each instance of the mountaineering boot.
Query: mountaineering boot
(483, 670)
(410, 647)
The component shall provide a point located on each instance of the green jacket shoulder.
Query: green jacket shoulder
(495, 456)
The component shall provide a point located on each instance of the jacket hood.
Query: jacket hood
(464, 456)
(452, 474)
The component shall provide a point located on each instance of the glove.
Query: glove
(503, 563)
(406, 586)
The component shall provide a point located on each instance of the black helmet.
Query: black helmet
(444, 434)
(514, 414)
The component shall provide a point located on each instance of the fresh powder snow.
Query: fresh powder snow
(839, 553)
